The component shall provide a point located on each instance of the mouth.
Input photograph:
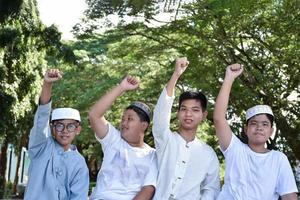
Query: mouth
(64, 137)
(188, 121)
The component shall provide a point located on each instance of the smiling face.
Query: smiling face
(258, 130)
(64, 131)
(132, 128)
(190, 115)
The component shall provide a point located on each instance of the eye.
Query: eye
(196, 110)
(182, 109)
(71, 127)
(252, 123)
(59, 127)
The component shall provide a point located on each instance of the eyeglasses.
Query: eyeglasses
(71, 127)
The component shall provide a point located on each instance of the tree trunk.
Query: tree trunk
(3, 162)
(21, 144)
(17, 170)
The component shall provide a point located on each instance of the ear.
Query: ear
(78, 130)
(145, 125)
(271, 132)
(205, 113)
(245, 129)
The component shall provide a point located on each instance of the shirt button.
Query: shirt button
(187, 146)
(60, 173)
(56, 188)
(179, 178)
(183, 162)
(65, 156)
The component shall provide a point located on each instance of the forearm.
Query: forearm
(105, 102)
(171, 84)
(146, 193)
(46, 93)
(290, 196)
(222, 100)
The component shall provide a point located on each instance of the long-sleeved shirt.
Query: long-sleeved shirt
(54, 173)
(187, 170)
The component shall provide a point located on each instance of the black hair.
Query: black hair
(270, 117)
(142, 115)
(197, 95)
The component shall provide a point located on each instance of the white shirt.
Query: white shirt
(255, 176)
(187, 171)
(125, 169)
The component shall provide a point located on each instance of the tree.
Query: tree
(264, 36)
(26, 48)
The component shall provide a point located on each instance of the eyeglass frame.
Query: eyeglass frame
(65, 126)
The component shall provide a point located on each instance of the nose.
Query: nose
(188, 112)
(259, 126)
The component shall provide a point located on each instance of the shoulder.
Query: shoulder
(204, 147)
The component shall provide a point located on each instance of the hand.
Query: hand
(234, 70)
(129, 83)
(181, 65)
(52, 75)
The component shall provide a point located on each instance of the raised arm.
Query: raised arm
(180, 66)
(223, 130)
(40, 131)
(96, 114)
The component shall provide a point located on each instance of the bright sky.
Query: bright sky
(63, 13)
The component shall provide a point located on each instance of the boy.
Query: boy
(57, 170)
(188, 168)
(129, 168)
(252, 171)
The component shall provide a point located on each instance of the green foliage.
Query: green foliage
(262, 35)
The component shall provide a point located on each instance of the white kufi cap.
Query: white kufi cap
(65, 113)
(259, 109)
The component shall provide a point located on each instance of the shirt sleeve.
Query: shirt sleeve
(286, 181)
(79, 186)
(112, 137)
(151, 176)
(41, 129)
(234, 146)
(211, 185)
(161, 119)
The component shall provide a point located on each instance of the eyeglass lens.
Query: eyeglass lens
(60, 127)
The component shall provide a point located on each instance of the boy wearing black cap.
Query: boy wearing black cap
(129, 168)
(188, 168)
(57, 170)
(252, 171)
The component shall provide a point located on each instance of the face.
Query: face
(64, 131)
(258, 129)
(190, 114)
(132, 128)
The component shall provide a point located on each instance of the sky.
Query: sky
(63, 13)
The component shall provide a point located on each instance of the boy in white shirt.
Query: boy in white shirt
(188, 168)
(252, 171)
(129, 167)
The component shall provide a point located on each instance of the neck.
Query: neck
(187, 135)
(66, 148)
(258, 148)
(136, 144)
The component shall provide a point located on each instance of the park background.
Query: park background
(263, 35)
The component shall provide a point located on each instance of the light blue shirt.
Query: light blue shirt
(54, 174)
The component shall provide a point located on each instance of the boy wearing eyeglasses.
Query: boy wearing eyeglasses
(57, 170)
